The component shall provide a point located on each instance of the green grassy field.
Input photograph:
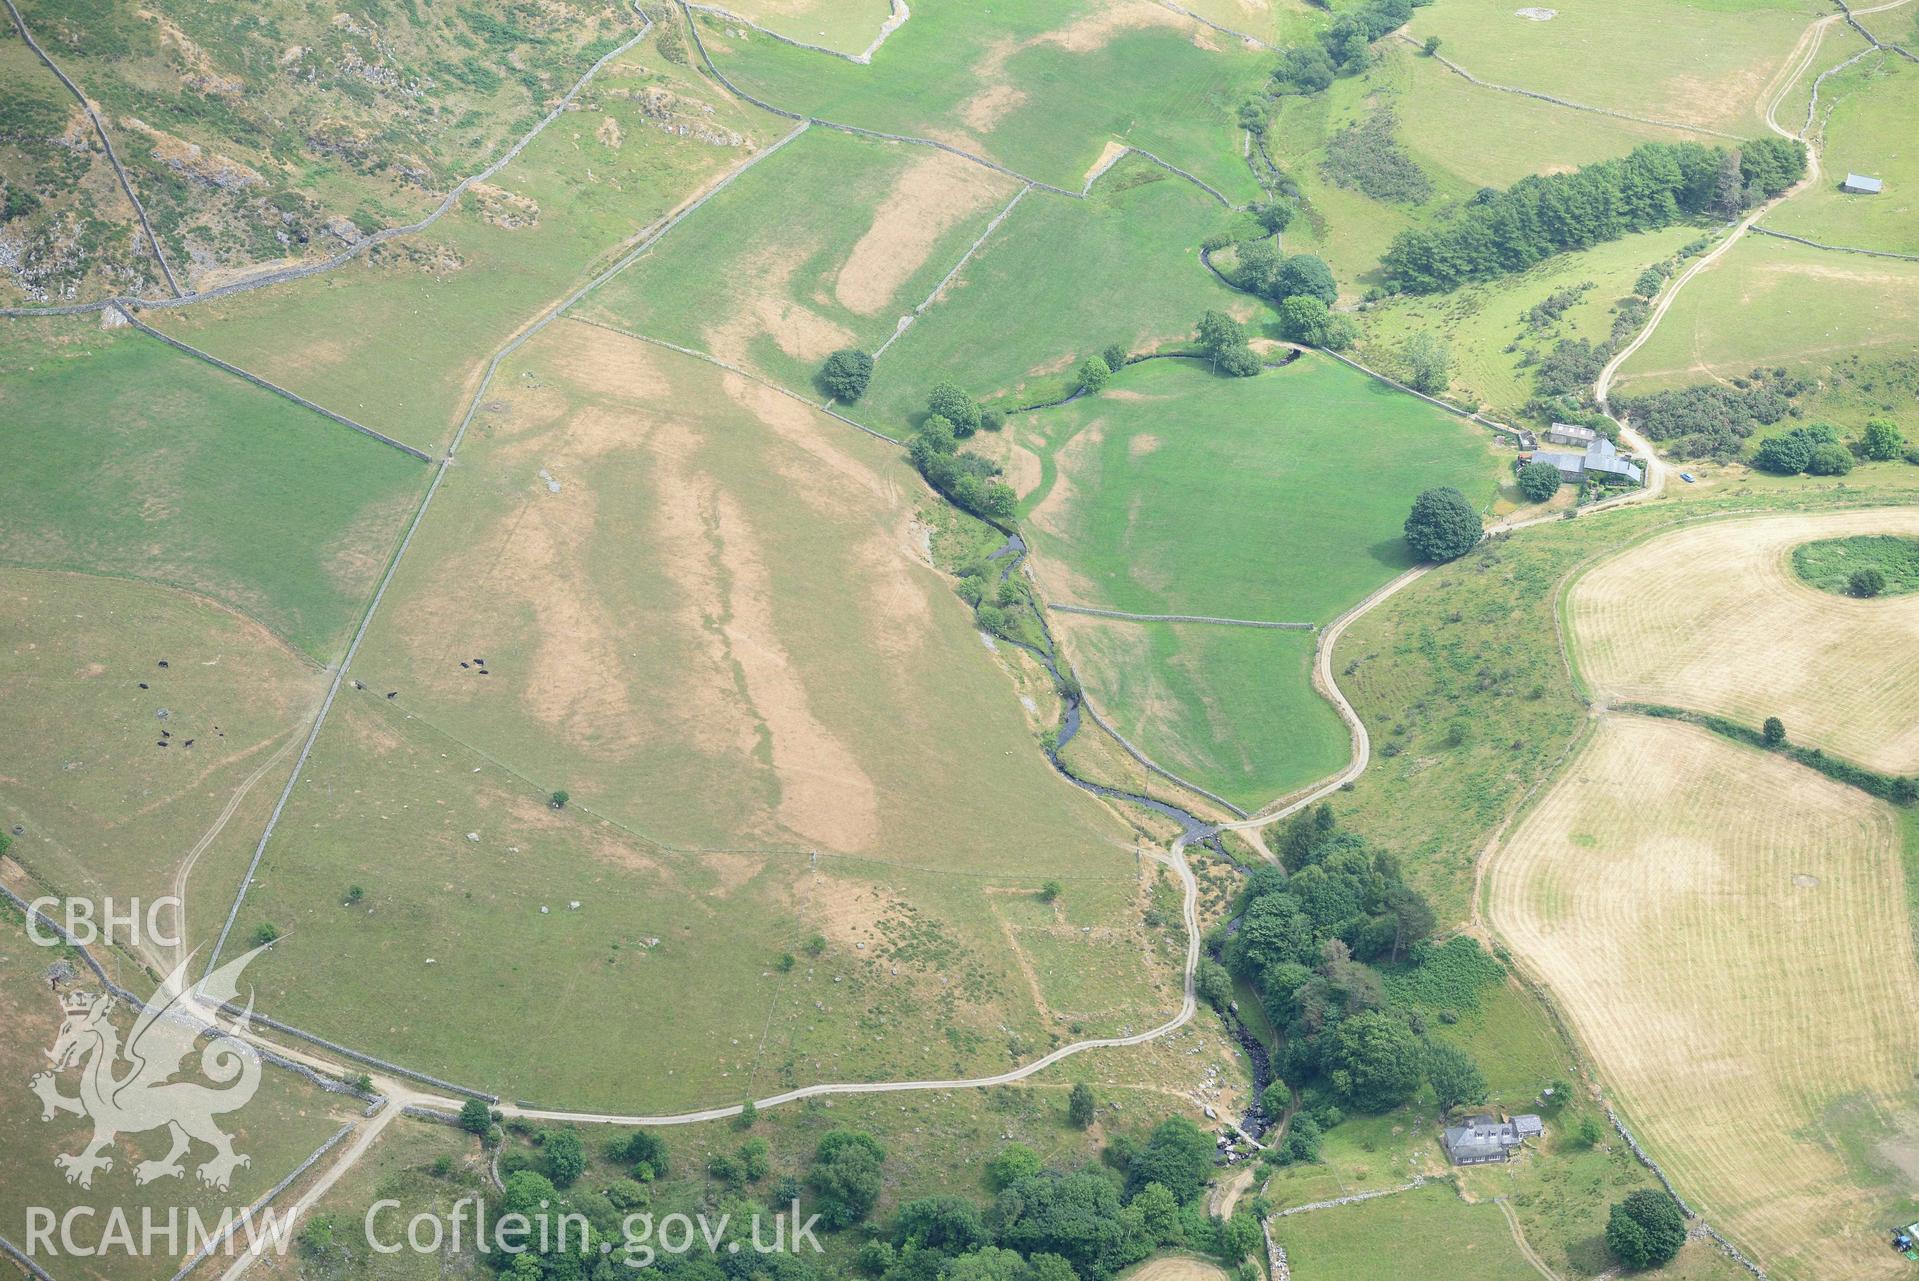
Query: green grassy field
(1873, 104)
(710, 631)
(1428, 1232)
(1493, 345)
(1279, 498)
(1125, 509)
(1819, 309)
(1471, 645)
(1705, 62)
(133, 460)
(739, 280)
(1059, 280)
(1461, 136)
(398, 339)
(285, 1121)
(1830, 563)
(1229, 708)
(102, 809)
(1562, 1200)
(1041, 89)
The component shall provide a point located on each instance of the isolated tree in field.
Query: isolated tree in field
(846, 374)
(1646, 1229)
(1374, 1062)
(1431, 46)
(846, 1176)
(1115, 356)
(1883, 441)
(1867, 583)
(1428, 363)
(1219, 331)
(267, 932)
(1539, 481)
(1049, 891)
(1079, 1105)
(749, 1113)
(559, 799)
(951, 403)
(1093, 373)
(475, 1117)
(1306, 274)
(1773, 731)
(1442, 525)
(1455, 1078)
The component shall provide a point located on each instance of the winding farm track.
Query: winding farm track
(400, 1095)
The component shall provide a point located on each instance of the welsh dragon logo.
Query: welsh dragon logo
(127, 1090)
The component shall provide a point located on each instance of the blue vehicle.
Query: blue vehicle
(1686, 476)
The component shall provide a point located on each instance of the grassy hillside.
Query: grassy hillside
(287, 133)
(397, 338)
(137, 461)
(1041, 88)
(741, 281)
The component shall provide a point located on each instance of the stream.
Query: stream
(1193, 829)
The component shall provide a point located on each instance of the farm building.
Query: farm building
(1599, 460)
(1859, 185)
(1481, 1140)
(1571, 434)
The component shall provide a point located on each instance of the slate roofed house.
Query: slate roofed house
(1571, 434)
(1600, 460)
(1481, 1140)
(1859, 185)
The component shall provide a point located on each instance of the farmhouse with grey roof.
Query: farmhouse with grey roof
(1571, 434)
(1860, 185)
(1481, 1140)
(1601, 460)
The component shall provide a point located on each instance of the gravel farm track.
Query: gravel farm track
(400, 1093)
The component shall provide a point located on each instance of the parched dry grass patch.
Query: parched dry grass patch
(1713, 618)
(930, 195)
(826, 245)
(696, 606)
(1769, 302)
(1727, 933)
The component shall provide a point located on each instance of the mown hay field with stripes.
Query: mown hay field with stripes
(1712, 618)
(1728, 935)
